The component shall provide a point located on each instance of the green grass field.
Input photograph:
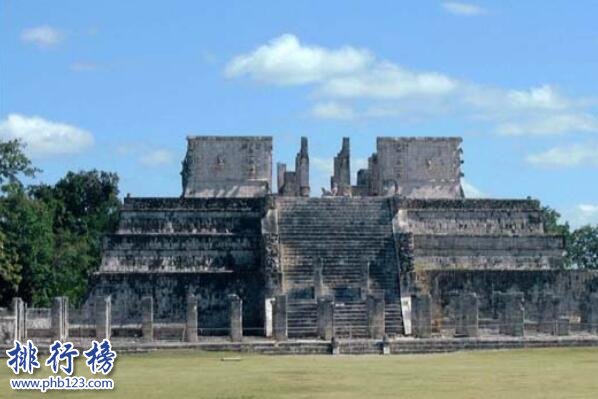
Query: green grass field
(538, 373)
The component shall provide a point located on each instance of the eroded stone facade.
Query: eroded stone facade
(403, 231)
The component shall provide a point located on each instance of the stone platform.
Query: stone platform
(397, 346)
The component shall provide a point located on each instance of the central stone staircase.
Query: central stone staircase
(351, 240)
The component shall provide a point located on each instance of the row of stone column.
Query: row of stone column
(511, 315)
(191, 318)
(59, 320)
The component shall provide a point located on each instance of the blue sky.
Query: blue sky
(118, 85)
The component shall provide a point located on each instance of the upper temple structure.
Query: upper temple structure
(350, 259)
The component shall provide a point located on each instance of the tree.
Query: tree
(85, 206)
(10, 270)
(27, 226)
(550, 220)
(14, 162)
(582, 247)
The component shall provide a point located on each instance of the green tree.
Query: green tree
(85, 206)
(582, 247)
(14, 162)
(552, 225)
(27, 226)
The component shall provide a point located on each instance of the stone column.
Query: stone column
(562, 326)
(279, 318)
(20, 312)
(325, 318)
(421, 315)
(268, 323)
(60, 319)
(376, 320)
(512, 314)
(103, 317)
(191, 319)
(319, 279)
(591, 313)
(466, 315)
(365, 279)
(548, 313)
(147, 318)
(235, 318)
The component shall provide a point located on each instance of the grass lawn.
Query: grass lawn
(536, 373)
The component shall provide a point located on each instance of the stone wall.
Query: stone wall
(170, 290)
(227, 166)
(570, 287)
(167, 248)
(419, 167)
(476, 234)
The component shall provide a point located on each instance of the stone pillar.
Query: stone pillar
(562, 326)
(279, 318)
(302, 170)
(335, 346)
(268, 314)
(325, 318)
(548, 314)
(319, 279)
(376, 320)
(421, 315)
(235, 318)
(466, 315)
(591, 313)
(147, 318)
(60, 319)
(512, 314)
(103, 317)
(341, 180)
(20, 312)
(385, 345)
(191, 318)
(365, 279)
(281, 169)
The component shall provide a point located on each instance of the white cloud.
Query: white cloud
(43, 137)
(42, 36)
(551, 124)
(387, 80)
(581, 214)
(471, 191)
(285, 61)
(567, 156)
(464, 9)
(350, 83)
(332, 110)
(158, 157)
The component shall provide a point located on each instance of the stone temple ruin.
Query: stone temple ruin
(402, 252)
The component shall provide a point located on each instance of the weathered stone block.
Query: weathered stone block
(421, 315)
(103, 317)
(325, 318)
(548, 313)
(563, 326)
(318, 279)
(20, 313)
(280, 318)
(227, 166)
(191, 319)
(466, 315)
(60, 319)
(376, 319)
(235, 318)
(591, 313)
(512, 314)
(147, 318)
